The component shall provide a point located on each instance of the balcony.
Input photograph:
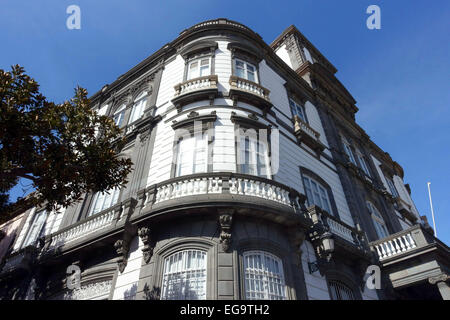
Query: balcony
(264, 197)
(344, 233)
(307, 135)
(202, 88)
(251, 92)
(412, 257)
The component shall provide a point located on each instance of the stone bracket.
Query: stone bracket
(225, 222)
(145, 235)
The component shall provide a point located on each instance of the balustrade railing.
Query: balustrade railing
(84, 228)
(221, 183)
(201, 83)
(249, 86)
(394, 245)
(300, 125)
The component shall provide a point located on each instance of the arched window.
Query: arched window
(378, 221)
(340, 291)
(184, 276)
(138, 107)
(119, 116)
(317, 194)
(264, 277)
(104, 200)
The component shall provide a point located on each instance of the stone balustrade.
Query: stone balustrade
(250, 87)
(394, 245)
(201, 83)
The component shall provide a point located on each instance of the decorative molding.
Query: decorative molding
(89, 291)
(225, 221)
(122, 248)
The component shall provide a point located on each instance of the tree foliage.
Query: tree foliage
(65, 149)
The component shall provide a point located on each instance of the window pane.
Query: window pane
(264, 277)
(36, 228)
(184, 276)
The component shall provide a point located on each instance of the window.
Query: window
(316, 194)
(184, 276)
(349, 152)
(297, 110)
(363, 163)
(253, 157)
(340, 291)
(138, 107)
(378, 221)
(104, 200)
(36, 228)
(245, 70)
(392, 187)
(199, 68)
(264, 277)
(192, 156)
(119, 115)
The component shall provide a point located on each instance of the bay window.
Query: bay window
(103, 200)
(264, 276)
(184, 276)
(245, 70)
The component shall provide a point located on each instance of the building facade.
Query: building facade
(251, 180)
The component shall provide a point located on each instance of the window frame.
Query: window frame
(333, 283)
(363, 164)
(392, 188)
(348, 151)
(304, 118)
(246, 63)
(379, 223)
(121, 109)
(281, 274)
(37, 214)
(142, 99)
(185, 271)
(321, 191)
(204, 140)
(198, 60)
(115, 197)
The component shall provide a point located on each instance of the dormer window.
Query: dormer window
(138, 107)
(245, 70)
(199, 68)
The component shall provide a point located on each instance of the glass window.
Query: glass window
(192, 154)
(316, 194)
(297, 110)
(138, 107)
(340, 291)
(36, 228)
(264, 277)
(245, 70)
(363, 163)
(378, 221)
(199, 68)
(392, 187)
(104, 200)
(349, 152)
(184, 276)
(254, 158)
(119, 115)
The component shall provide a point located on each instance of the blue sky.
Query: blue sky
(399, 75)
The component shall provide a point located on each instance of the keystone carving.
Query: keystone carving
(145, 235)
(225, 221)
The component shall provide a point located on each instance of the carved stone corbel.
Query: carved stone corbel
(225, 221)
(122, 249)
(145, 235)
(297, 237)
(122, 246)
